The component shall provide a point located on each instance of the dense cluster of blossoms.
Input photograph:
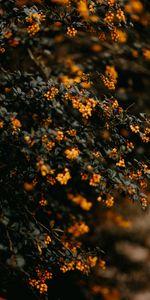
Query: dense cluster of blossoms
(68, 147)
(110, 78)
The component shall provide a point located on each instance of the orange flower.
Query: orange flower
(109, 201)
(72, 153)
(33, 29)
(78, 229)
(71, 31)
(83, 8)
(121, 163)
(51, 93)
(110, 77)
(81, 201)
(135, 128)
(63, 178)
(95, 179)
(16, 123)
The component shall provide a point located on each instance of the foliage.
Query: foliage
(68, 147)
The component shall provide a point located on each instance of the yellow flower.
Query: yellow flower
(63, 178)
(109, 201)
(135, 128)
(78, 229)
(95, 179)
(71, 31)
(122, 36)
(110, 77)
(121, 163)
(72, 153)
(146, 53)
(83, 8)
(51, 93)
(81, 201)
(33, 29)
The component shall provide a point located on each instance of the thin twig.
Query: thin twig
(10, 241)
(38, 222)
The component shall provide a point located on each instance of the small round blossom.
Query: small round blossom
(50, 180)
(147, 130)
(143, 183)
(7, 34)
(47, 239)
(95, 179)
(43, 168)
(115, 104)
(43, 202)
(83, 8)
(50, 145)
(145, 138)
(99, 199)
(102, 36)
(92, 260)
(1, 124)
(59, 135)
(122, 36)
(111, 2)
(121, 163)
(144, 202)
(84, 176)
(134, 6)
(2, 50)
(29, 186)
(92, 7)
(102, 264)
(72, 132)
(135, 128)
(16, 123)
(130, 145)
(146, 53)
(113, 153)
(146, 169)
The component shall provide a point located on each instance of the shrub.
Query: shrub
(68, 146)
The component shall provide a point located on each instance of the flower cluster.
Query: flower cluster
(84, 267)
(81, 201)
(63, 178)
(39, 283)
(34, 20)
(78, 229)
(72, 153)
(50, 94)
(84, 105)
(110, 77)
(71, 31)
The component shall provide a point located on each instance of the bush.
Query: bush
(69, 142)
